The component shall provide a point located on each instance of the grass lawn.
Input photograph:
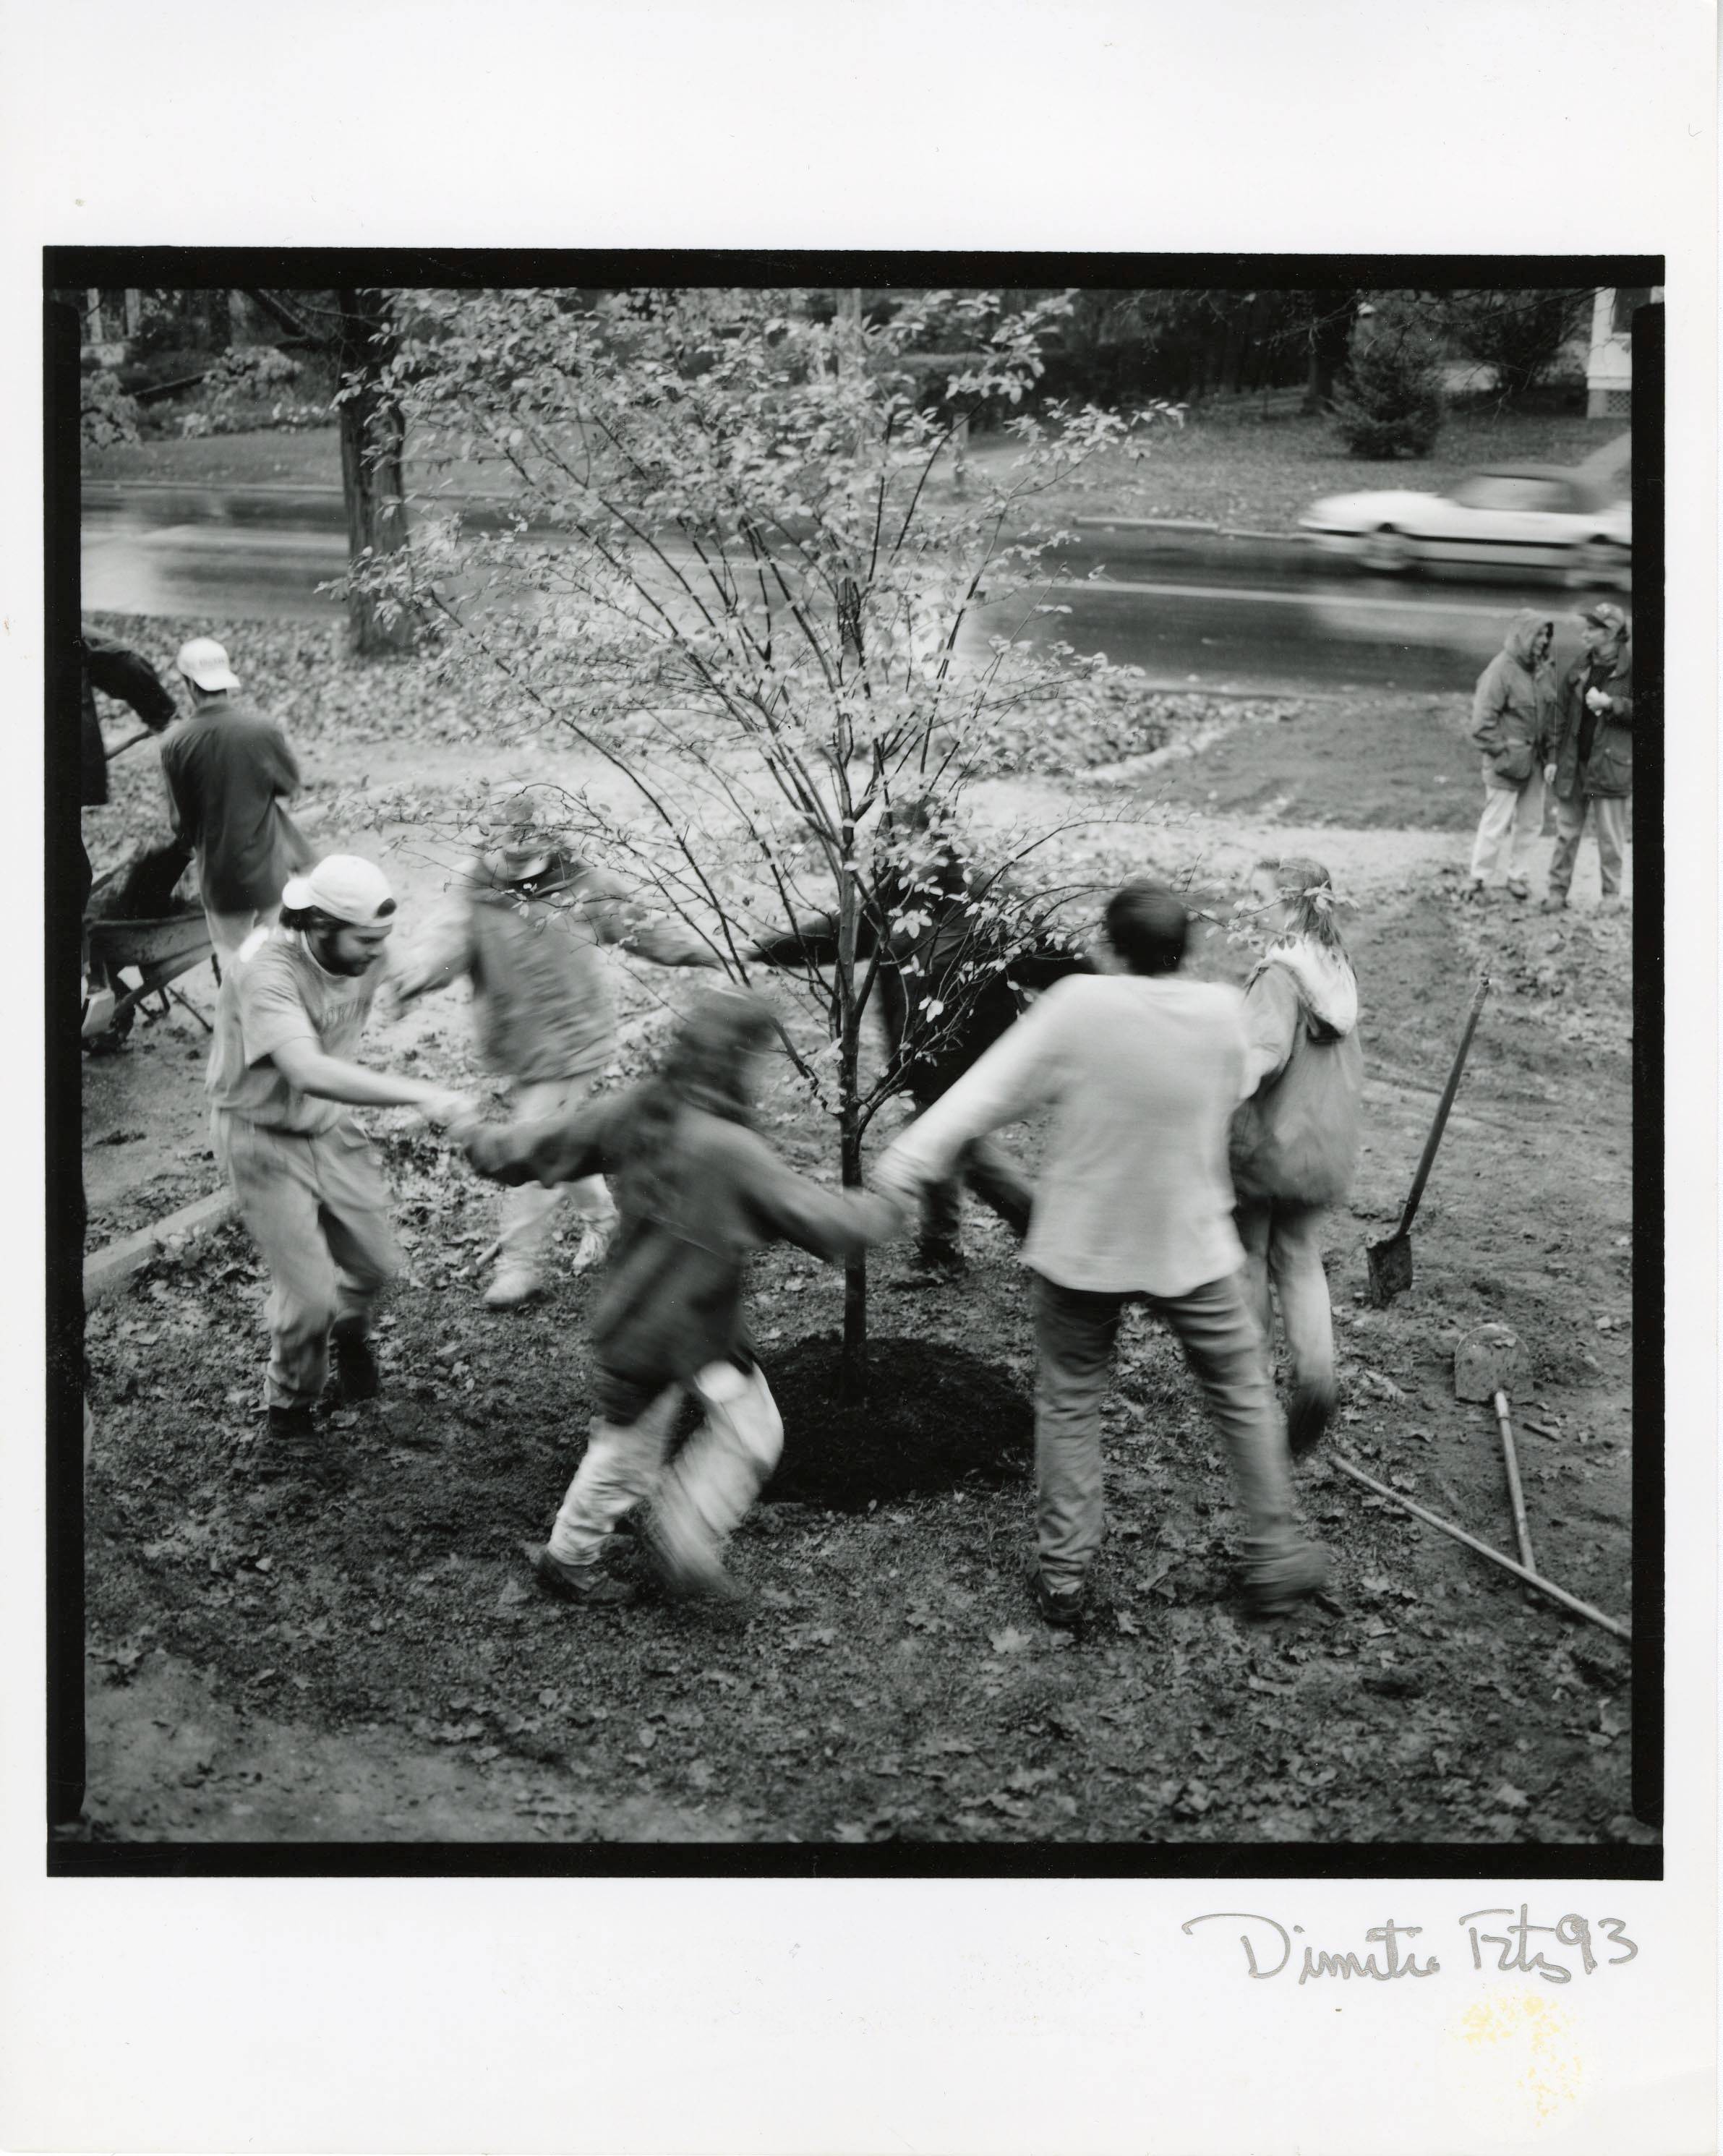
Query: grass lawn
(1225, 466)
(1228, 467)
(1371, 761)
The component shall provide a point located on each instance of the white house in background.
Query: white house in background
(1609, 362)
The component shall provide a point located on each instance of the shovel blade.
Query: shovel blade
(1390, 1269)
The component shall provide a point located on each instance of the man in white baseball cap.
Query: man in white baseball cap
(230, 774)
(293, 1005)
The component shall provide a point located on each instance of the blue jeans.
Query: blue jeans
(1076, 1330)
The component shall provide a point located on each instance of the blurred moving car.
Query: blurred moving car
(1512, 516)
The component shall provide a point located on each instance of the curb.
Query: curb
(111, 1268)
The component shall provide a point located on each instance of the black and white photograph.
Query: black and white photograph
(858, 1061)
(863, 1096)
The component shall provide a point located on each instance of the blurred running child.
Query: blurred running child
(525, 922)
(700, 1192)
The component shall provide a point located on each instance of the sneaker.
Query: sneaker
(594, 1245)
(356, 1375)
(513, 1286)
(687, 1563)
(1307, 1417)
(1273, 1585)
(1612, 902)
(1060, 1606)
(1476, 892)
(588, 1584)
(1556, 902)
(294, 1445)
(1518, 888)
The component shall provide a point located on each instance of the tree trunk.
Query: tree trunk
(373, 441)
(853, 1362)
(1330, 343)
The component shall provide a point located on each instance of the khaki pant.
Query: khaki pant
(1610, 819)
(1076, 1330)
(714, 1478)
(228, 931)
(318, 1211)
(529, 1210)
(1512, 822)
(1283, 1264)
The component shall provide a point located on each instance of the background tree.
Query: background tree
(1389, 403)
(735, 575)
(353, 328)
(1520, 335)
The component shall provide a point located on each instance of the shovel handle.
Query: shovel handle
(1517, 1495)
(1448, 1091)
(1495, 1557)
(130, 741)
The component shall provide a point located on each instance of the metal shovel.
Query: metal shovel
(1390, 1260)
(1485, 1364)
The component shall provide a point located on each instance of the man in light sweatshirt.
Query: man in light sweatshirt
(1142, 1071)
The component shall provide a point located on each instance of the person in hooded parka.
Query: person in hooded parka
(1296, 1135)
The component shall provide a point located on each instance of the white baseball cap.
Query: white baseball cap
(205, 662)
(346, 887)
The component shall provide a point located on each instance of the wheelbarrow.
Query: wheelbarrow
(158, 951)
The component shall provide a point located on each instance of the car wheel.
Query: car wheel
(1387, 551)
(1604, 562)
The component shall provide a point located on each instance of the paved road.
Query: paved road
(1259, 623)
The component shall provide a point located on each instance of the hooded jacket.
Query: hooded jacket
(1296, 1135)
(118, 672)
(1513, 709)
(671, 1298)
(1608, 770)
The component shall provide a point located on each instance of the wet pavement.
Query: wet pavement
(1270, 621)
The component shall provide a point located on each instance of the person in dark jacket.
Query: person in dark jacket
(230, 775)
(945, 937)
(1296, 1135)
(116, 671)
(524, 923)
(700, 1191)
(1513, 711)
(1592, 760)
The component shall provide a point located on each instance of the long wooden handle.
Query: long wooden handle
(1446, 1102)
(1520, 1571)
(1517, 1495)
(130, 741)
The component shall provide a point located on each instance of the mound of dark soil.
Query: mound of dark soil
(935, 1416)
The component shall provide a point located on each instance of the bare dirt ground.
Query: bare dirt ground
(267, 1665)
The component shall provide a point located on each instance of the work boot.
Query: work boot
(1307, 1417)
(1476, 892)
(356, 1375)
(589, 1585)
(1556, 902)
(295, 1446)
(1275, 1584)
(1060, 1606)
(1612, 902)
(1518, 887)
(513, 1286)
(941, 1257)
(594, 1245)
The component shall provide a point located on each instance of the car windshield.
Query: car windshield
(1513, 490)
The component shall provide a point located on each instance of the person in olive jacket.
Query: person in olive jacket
(701, 1191)
(1513, 711)
(1591, 759)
